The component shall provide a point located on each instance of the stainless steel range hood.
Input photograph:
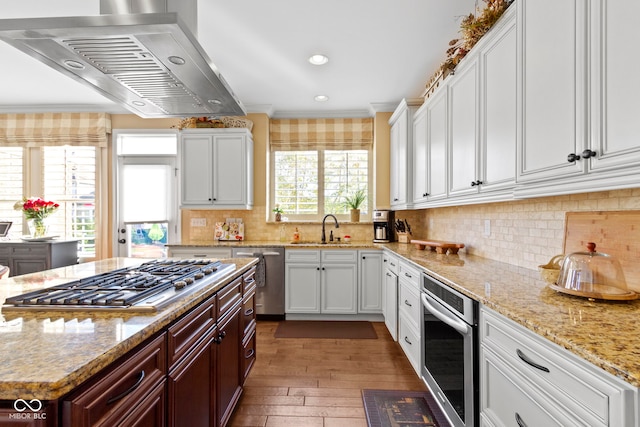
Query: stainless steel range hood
(149, 63)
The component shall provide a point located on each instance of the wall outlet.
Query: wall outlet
(198, 222)
(487, 227)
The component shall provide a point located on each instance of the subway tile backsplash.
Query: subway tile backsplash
(525, 233)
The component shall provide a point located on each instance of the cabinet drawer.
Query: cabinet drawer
(228, 296)
(409, 304)
(186, 333)
(409, 274)
(248, 315)
(29, 249)
(248, 355)
(345, 256)
(119, 390)
(572, 382)
(204, 252)
(302, 255)
(409, 339)
(391, 263)
(249, 281)
(507, 400)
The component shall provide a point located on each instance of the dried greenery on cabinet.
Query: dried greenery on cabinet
(473, 27)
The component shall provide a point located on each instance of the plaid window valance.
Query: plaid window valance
(321, 134)
(50, 129)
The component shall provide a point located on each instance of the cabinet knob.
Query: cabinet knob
(476, 182)
(588, 153)
(573, 157)
(425, 194)
(122, 241)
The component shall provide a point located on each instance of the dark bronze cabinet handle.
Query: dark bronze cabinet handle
(588, 153)
(573, 157)
(129, 390)
(407, 303)
(520, 421)
(250, 354)
(406, 339)
(248, 312)
(476, 182)
(526, 360)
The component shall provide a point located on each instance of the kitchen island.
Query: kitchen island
(48, 354)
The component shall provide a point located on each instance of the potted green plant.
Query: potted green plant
(354, 202)
(278, 211)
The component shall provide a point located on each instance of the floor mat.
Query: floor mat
(401, 408)
(325, 329)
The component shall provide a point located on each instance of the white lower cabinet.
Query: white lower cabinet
(321, 281)
(409, 313)
(528, 380)
(390, 294)
(370, 282)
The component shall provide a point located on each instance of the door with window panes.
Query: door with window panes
(147, 214)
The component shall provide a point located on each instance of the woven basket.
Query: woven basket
(551, 270)
(236, 122)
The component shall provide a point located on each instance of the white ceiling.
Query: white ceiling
(380, 52)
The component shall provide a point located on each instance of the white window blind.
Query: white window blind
(144, 194)
(11, 188)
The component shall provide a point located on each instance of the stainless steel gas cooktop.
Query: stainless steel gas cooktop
(147, 287)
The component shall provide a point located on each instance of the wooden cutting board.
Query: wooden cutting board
(439, 246)
(616, 233)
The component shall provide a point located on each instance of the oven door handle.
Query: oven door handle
(455, 323)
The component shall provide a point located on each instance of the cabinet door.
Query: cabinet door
(463, 122)
(25, 266)
(230, 170)
(498, 109)
(616, 88)
(370, 287)
(391, 303)
(151, 412)
(197, 169)
(228, 364)
(437, 140)
(398, 159)
(302, 283)
(420, 146)
(339, 288)
(553, 88)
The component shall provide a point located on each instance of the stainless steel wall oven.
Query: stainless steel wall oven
(450, 350)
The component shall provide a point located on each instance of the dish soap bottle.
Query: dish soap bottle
(296, 236)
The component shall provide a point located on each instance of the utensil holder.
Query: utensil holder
(403, 237)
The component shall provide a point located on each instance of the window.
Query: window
(69, 178)
(310, 184)
(64, 174)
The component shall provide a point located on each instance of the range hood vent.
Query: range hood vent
(149, 63)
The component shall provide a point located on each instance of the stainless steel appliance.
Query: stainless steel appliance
(382, 226)
(269, 278)
(450, 350)
(146, 287)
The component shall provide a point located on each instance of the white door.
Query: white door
(146, 200)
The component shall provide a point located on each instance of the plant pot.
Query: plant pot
(355, 215)
(278, 217)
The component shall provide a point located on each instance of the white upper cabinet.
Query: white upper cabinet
(437, 145)
(401, 148)
(553, 86)
(615, 88)
(463, 121)
(216, 168)
(498, 105)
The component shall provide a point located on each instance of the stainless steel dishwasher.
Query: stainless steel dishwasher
(269, 278)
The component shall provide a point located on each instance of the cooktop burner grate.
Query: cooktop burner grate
(127, 287)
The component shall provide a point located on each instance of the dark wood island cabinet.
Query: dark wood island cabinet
(190, 372)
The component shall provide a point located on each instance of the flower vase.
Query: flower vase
(38, 227)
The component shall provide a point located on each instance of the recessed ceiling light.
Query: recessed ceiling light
(177, 60)
(318, 59)
(321, 98)
(74, 64)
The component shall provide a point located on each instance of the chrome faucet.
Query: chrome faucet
(324, 236)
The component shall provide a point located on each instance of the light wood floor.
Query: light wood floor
(318, 382)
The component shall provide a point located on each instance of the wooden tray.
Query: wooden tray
(616, 233)
(439, 246)
(604, 294)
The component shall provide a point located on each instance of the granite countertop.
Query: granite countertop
(605, 333)
(47, 354)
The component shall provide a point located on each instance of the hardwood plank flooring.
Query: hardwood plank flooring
(304, 382)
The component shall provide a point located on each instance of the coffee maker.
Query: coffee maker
(382, 226)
